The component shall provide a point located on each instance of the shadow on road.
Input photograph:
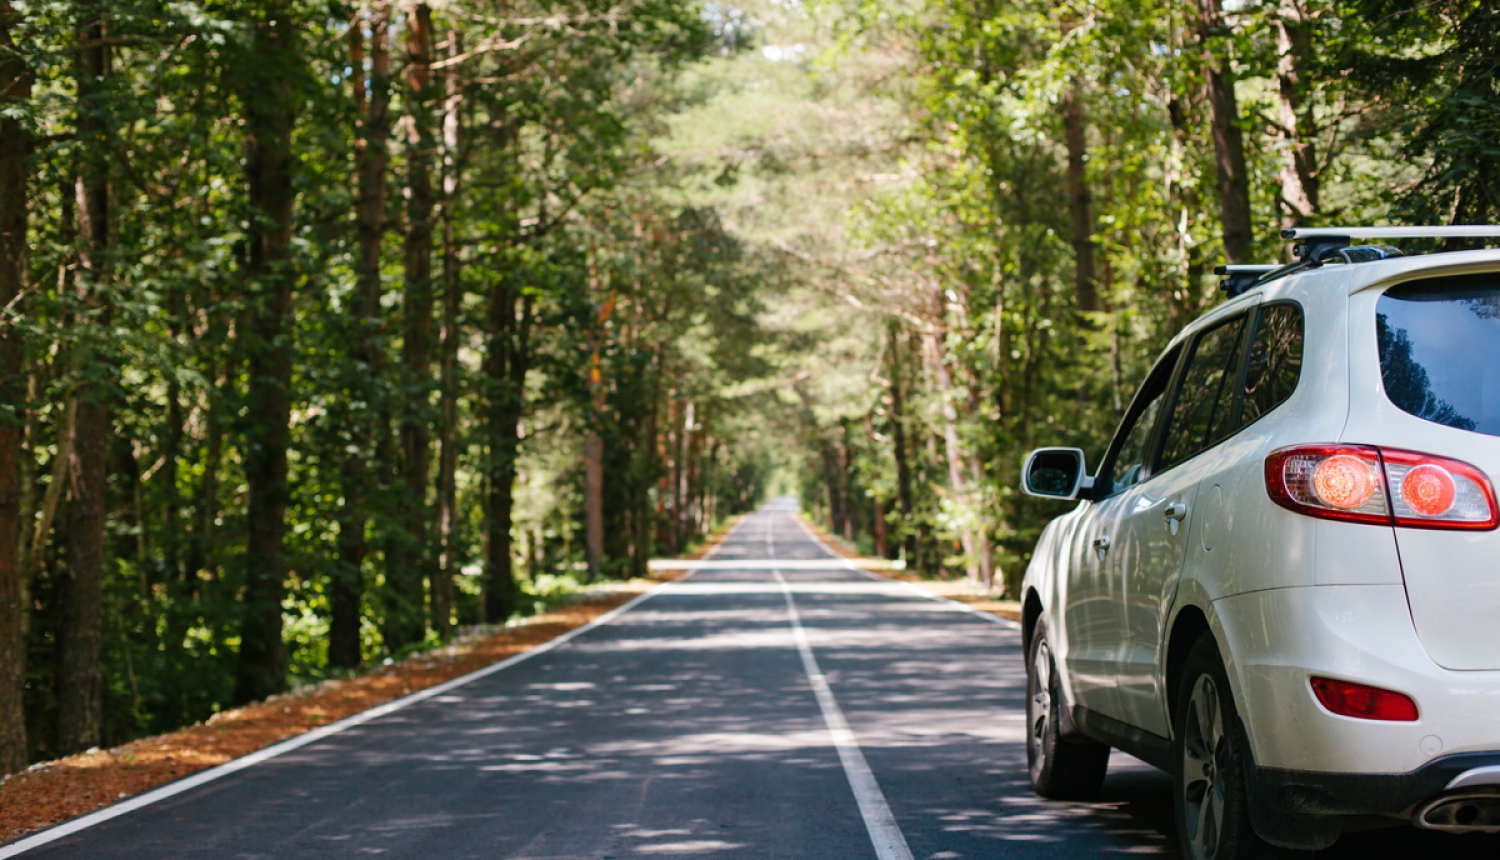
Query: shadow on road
(688, 728)
(937, 708)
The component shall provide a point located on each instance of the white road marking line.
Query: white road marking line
(955, 605)
(234, 766)
(885, 834)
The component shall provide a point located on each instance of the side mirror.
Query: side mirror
(1055, 473)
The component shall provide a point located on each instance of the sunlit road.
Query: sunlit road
(702, 722)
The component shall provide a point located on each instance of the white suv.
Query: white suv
(1282, 585)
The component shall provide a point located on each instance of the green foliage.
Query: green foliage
(831, 250)
(552, 194)
(967, 245)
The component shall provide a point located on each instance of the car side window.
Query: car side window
(1206, 408)
(1275, 361)
(1131, 451)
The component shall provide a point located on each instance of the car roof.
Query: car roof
(1350, 277)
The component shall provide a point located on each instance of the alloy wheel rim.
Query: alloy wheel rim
(1202, 769)
(1039, 705)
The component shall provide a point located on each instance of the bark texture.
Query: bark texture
(682, 506)
(264, 79)
(406, 618)
(593, 503)
(882, 547)
(1300, 190)
(15, 147)
(507, 361)
(1080, 200)
(448, 442)
(899, 446)
(1229, 141)
(593, 445)
(79, 683)
(371, 155)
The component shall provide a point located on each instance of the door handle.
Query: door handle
(1175, 514)
(1101, 546)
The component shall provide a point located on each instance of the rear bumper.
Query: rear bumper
(1276, 640)
(1308, 810)
(1305, 792)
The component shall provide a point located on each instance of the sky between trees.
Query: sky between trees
(328, 327)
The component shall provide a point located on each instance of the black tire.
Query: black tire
(1209, 787)
(1061, 768)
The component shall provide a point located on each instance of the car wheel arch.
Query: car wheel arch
(1031, 612)
(1188, 625)
(1193, 614)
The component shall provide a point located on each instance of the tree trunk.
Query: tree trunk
(1229, 141)
(405, 621)
(1080, 201)
(899, 446)
(447, 481)
(265, 78)
(710, 507)
(643, 519)
(367, 349)
(1299, 170)
(846, 462)
(15, 149)
(831, 465)
(79, 684)
(507, 361)
(682, 506)
(882, 549)
(695, 474)
(593, 501)
(593, 446)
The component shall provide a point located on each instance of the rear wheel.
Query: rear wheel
(1061, 768)
(1213, 814)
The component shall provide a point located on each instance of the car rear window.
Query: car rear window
(1440, 350)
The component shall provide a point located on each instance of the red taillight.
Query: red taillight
(1428, 490)
(1345, 482)
(1437, 493)
(1364, 702)
(1364, 484)
(1340, 482)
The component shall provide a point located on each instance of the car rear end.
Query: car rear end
(1378, 690)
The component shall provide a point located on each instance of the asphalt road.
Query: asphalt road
(753, 713)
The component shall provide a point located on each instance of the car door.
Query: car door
(1150, 534)
(1091, 620)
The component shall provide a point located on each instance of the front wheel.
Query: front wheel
(1061, 768)
(1213, 813)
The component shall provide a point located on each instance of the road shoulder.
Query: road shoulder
(961, 590)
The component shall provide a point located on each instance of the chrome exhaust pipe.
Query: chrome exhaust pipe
(1460, 813)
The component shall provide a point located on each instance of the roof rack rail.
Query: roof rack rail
(1239, 278)
(1315, 244)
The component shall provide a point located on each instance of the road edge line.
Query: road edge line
(155, 795)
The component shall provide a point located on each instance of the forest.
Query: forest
(327, 328)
